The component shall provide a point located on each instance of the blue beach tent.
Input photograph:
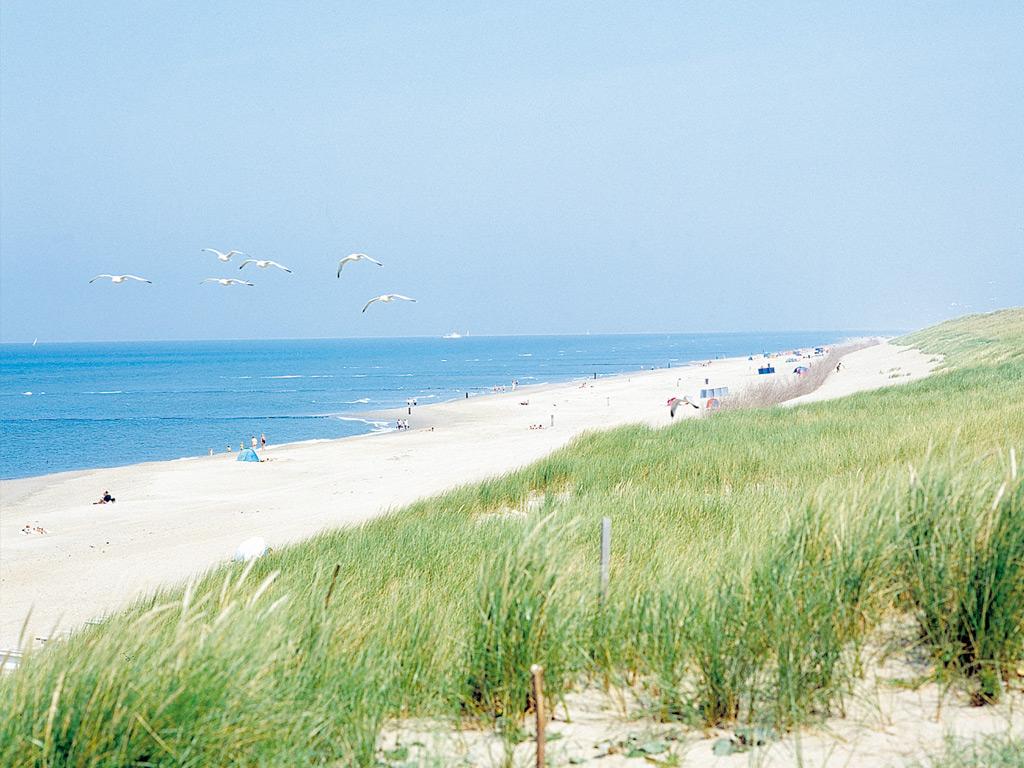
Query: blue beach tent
(247, 455)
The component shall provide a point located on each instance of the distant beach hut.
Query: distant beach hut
(716, 392)
(248, 455)
(713, 404)
(800, 370)
(766, 370)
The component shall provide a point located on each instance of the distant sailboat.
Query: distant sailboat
(35, 341)
(452, 335)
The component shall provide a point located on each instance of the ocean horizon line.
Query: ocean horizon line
(889, 332)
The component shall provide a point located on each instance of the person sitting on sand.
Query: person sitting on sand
(106, 498)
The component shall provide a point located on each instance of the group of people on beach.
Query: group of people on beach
(262, 443)
(402, 424)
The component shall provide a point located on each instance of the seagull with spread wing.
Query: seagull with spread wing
(387, 297)
(356, 257)
(225, 257)
(264, 263)
(118, 279)
(227, 281)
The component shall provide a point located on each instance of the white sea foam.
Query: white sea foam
(377, 426)
(360, 401)
(286, 376)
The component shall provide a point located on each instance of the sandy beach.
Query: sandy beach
(175, 519)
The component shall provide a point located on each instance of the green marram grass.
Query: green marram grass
(754, 553)
(986, 339)
(1000, 751)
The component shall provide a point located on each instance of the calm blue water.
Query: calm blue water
(76, 406)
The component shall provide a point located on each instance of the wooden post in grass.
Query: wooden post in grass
(537, 680)
(330, 589)
(606, 553)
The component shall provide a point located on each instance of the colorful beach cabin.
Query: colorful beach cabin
(765, 370)
(712, 397)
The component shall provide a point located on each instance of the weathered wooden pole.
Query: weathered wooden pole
(330, 589)
(606, 553)
(537, 679)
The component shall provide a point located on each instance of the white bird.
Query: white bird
(675, 402)
(250, 549)
(224, 256)
(118, 279)
(386, 297)
(356, 257)
(264, 263)
(227, 281)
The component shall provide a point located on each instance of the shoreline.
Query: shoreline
(339, 410)
(175, 519)
(367, 417)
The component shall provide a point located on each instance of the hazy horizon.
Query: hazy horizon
(743, 332)
(520, 170)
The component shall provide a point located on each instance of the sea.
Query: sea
(84, 405)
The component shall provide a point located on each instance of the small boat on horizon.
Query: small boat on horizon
(452, 335)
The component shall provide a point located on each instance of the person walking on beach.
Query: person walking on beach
(263, 440)
(253, 442)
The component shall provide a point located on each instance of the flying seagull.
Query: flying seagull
(118, 279)
(224, 256)
(227, 281)
(264, 263)
(386, 297)
(674, 402)
(355, 257)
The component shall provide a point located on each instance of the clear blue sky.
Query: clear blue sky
(518, 167)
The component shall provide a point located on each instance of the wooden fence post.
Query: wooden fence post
(606, 552)
(537, 678)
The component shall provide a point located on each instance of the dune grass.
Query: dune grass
(995, 337)
(1005, 751)
(753, 553)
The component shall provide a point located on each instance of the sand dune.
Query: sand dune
(174, 519)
